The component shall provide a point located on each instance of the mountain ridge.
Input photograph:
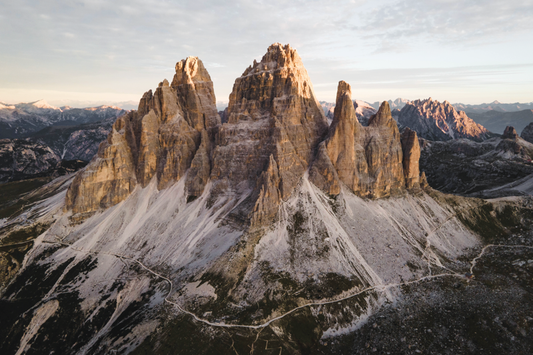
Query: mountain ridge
(270, 232)
(23, 119)
(434, 120)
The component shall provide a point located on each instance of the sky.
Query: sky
(90, 52)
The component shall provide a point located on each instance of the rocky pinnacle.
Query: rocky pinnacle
(275, 132)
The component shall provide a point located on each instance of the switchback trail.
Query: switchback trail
(377, 288)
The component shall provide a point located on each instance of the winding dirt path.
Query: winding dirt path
(378, 288)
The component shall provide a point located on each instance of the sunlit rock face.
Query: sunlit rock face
(274, 123)
(275, 132)
(438, 121)
(411, 158)
(159, 140)
(369, 160)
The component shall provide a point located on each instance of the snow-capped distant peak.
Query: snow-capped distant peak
(6, 106)
(363, 104)
(43, 104)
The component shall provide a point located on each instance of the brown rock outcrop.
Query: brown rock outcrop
(367, 159)
(273, 117)
(167, 134)
(509, 133)
(411, 157)
(109, 178)
(275, 132)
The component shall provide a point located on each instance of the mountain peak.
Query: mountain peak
(510, 133)
(382, 117)
(276, 57)
(434, 120)
(43, 104)
(190, 71)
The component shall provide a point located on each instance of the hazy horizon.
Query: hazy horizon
(92, 51)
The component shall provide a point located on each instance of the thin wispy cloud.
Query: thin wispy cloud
(127, 47)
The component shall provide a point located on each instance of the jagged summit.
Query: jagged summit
(167, 136)
(369, 160)
(434, 120)
(276, 130)
(43, 104)
(276, 57)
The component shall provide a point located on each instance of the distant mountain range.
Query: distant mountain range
(363, 111)
(439, 121)
(494, 106)
(496, 121)
(23, 119)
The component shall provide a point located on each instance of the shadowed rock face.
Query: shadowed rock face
(275, 131)
(440, 121)
(509, 133)
(369, 160)
(527, 133)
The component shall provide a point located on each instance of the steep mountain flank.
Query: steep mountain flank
(75, 142)
(527, 133)
(274, 124)
(439, 121)
(21, 159)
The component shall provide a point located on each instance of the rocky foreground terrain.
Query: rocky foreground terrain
(268, 232)
(483, 169)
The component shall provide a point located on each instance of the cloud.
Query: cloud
(127, 47)
(450, 22)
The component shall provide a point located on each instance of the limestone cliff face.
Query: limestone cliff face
(369, 160)
(275, 133)
(169, 133)
(274, 123)
(438, 121)
(411, 158)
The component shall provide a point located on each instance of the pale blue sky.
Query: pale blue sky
(93, 51)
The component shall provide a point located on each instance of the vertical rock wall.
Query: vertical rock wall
(369, 160)
(275, 132)
(169, 131)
